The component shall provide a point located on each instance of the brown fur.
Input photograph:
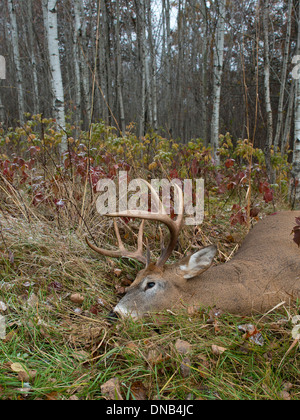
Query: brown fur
(264, 272)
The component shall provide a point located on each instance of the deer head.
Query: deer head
(158, 286)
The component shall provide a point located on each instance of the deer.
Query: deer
(263, 273)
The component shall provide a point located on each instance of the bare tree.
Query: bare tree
(50, 20)
(17, 60)
(217, 77)
(119, 70)
(296, 154)
(269, 140)
(283, 76)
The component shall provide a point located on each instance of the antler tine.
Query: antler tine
(122, 251)
(173, 226)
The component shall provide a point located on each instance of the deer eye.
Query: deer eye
(150, 284)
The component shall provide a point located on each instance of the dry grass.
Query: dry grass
(74, 349)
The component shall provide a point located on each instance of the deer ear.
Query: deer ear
(198, 262)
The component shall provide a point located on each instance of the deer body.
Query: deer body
(264, 272)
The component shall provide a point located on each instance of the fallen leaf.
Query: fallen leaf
(138, 391)
(252, 333)
(217, 350)
(111, 389)
(185, 367)
(117, 272)
(77, 298)
(27, 376)
(73, 398)
(155, 356)
(183, 347)
(284, 395)
(32, 301)
(17, 367)
(3, 307)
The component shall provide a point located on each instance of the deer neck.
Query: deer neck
(229, 287)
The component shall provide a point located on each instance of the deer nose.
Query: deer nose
(112, 316)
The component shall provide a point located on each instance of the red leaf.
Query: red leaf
(268, 196)
(296, 232)
(229, 163)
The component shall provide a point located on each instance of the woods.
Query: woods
(186, 69)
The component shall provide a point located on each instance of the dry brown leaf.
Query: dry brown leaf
(27, 376)
(138, 391)
(117, 272)
(183, 347)
(217, 350)
(155, 356)
(17, 367)
(185, 368)
(77, 298)
(111, 389)
(284, 395)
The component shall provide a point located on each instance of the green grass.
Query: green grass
(73, 354)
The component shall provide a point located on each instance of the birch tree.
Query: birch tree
(269, 139)
(17, 60)
(217, 77)
(50, 20)
(119, 70)
(283, 76)
(296, 152)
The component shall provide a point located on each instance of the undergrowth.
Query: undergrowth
(55, 294)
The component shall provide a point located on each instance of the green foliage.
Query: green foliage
(69, 349)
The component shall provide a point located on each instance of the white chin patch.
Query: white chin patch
(124, 312)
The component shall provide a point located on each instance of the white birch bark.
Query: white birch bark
(50, 7)
(283, 76)
(217, 79)
(269, 140)
(17, 61)
(296, 152)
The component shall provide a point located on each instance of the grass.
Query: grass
(74, 352)
(70, 350)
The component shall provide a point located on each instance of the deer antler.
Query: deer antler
(122, 251)
(173, 226)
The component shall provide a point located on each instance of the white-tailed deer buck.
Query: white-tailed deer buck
(264, 272)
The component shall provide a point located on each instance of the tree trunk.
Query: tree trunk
(217, 77)
(28, 23)
(296, 153)
(55, 68)
(76, 58)
(2, 112)
(288, 121)
(269, 140)
(119, 71)
(16, 54)
(283, 76)
(152, 68)
(82, 42)
(142, 35)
